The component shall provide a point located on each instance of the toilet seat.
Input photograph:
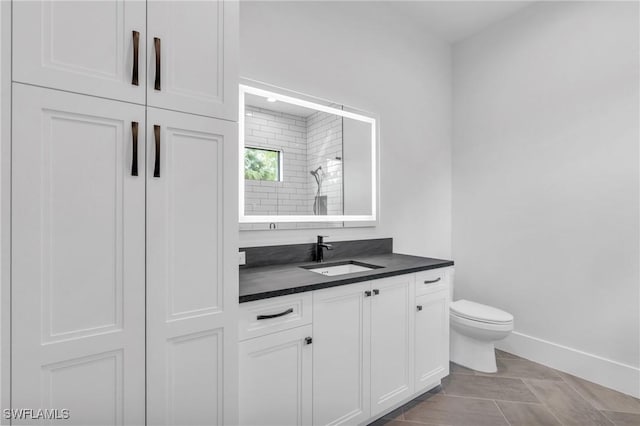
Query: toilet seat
(468, 324)
(472, 311)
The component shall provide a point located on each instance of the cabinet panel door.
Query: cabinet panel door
(275, 379)
(192, 291)
(77, 257)
(84, 47)
(341, 387)
(391, 342)
(431, 339)
(197, 42)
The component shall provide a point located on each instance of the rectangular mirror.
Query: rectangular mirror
(305, 162)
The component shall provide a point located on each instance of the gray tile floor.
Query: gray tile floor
(521, 393)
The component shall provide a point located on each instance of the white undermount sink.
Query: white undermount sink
(341, 269)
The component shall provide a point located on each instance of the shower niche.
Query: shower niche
(304, 162)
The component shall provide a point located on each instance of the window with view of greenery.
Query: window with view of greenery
(261, 164)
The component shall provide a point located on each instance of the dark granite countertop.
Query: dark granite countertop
(263, 282)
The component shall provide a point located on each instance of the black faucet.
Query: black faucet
(320, 246)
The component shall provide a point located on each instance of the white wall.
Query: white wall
(359, 54)
(546, 183)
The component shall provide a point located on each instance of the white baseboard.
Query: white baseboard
(612, 374)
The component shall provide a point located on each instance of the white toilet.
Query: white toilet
(474, 330)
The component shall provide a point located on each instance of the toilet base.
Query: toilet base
(473, 353)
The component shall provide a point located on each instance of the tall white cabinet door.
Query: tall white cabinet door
(192, 281)
(341, 387)
(81, 46)
(391, 342)
(431, 339)
(192, 56)
(77, 257)
(275, 379)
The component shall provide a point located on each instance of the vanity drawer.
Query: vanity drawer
(431, 280)
(275, 314)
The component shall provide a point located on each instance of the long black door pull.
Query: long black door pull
(156, 165)
(136, 49)
(156, 45)
(134, 154)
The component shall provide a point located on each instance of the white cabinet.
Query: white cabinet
(363, 351)
(176, 55)
(275, 361)
(391, 341)
(341, 350)
(191, 315)
(122, 211)
(79, 247)
(275, 378)
(431, 338)
(192, 56)
(78, 257)
(84, 47)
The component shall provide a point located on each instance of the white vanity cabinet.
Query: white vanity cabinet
(276, 353)
(431, 328)
(375, 346)
(275, 379)
(363, 349)
(342, 337)
(391, 341)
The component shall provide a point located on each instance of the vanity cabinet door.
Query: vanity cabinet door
(391, 341)
(86, 47)
(275, 379)
(341, 334)
(192, 55)
(431, 339)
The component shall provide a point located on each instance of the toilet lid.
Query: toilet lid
(478, 312)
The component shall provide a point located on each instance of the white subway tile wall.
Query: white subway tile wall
(305, 144)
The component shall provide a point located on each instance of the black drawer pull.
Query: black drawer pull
(376, 291)
(281, 314)
(419, 307)
(367, 293)
(308, 340)
(433, 281)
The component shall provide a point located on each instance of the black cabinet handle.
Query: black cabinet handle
(136, 50)
(156, 166)
(367, 293)
(419, 307)
(376, 291)
(433, 281)
(281, 314)
(308, 340)
(156, 44)
(134, 154)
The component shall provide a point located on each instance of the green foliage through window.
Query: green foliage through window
(261, 164)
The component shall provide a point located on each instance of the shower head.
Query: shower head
(315, 172)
